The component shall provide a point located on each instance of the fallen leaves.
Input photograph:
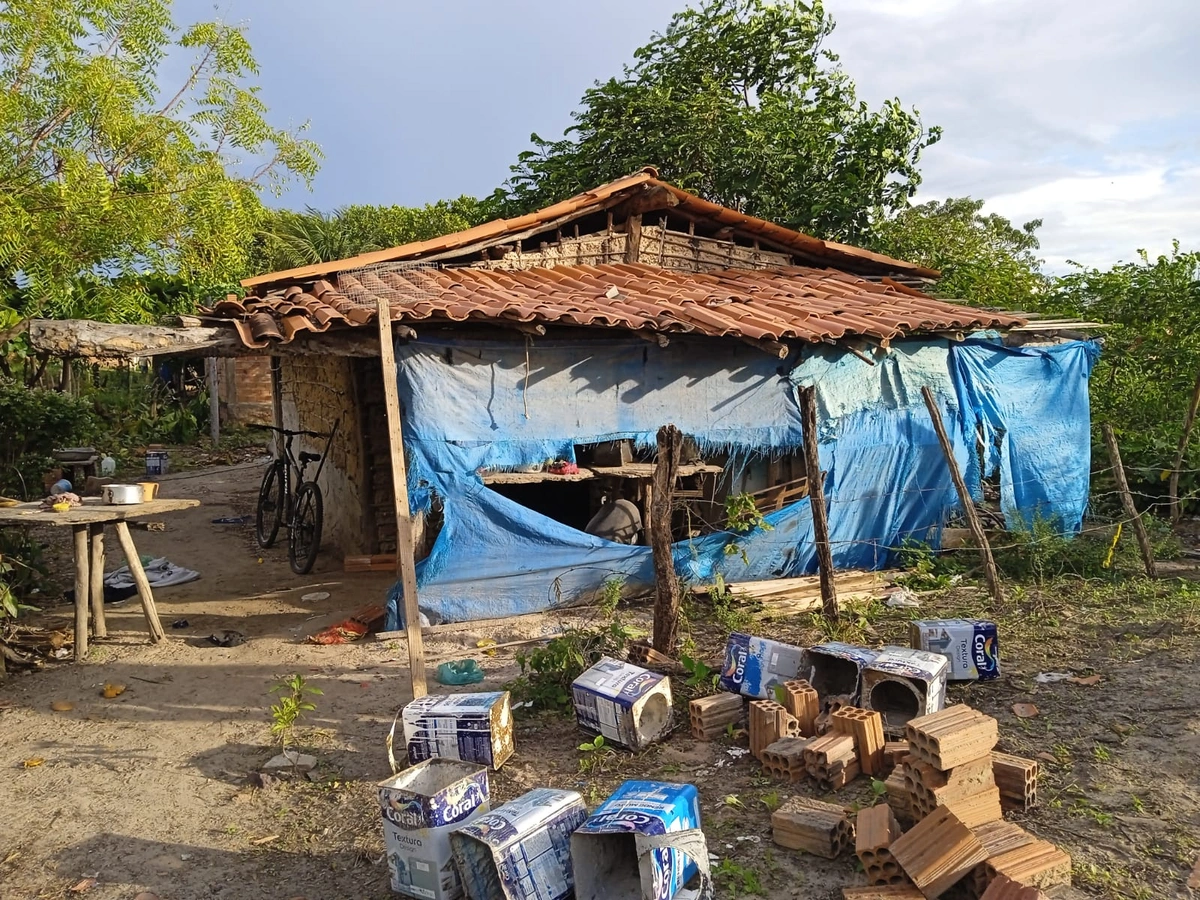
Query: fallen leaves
(62, 706)
(1089, 681)
(1025, 710)
(1046, 756)
(258, 842)
(85, 885)
(1194, 879)
(112, 689)
(33, 762)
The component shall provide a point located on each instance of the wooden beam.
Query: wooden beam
(214, 400)
(666, 585)
(82, 588)
(964, 497)
(1189, 420)
(1131, 512)
(102, 340)
(405, 565)
(633, 238)
(96, 578)
(816, 493)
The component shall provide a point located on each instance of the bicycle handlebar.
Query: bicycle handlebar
(290, 433)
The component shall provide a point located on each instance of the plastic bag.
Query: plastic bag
(465, 671)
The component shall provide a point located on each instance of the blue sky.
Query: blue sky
(1085, 113)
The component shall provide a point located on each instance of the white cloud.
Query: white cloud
(1080, 112)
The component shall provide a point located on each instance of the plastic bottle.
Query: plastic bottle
(108, 466)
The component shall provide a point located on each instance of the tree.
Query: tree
(108, 177)
(288, 239)
(984, 259)
(738, 102)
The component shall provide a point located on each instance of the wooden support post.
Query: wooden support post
(96, 579)
(633, 238)
(82, 585)
(1114, 453)
(964, 497)
(816, 481)
(1189, 420)
(214, 400)
(153, 625)
(405, 565)
(666, 585)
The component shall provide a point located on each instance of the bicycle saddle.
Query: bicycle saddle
(306, 457)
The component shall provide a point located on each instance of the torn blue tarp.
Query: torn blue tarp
(474, 406)
(1032, 411)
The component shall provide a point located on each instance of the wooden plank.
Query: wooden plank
(92, 512)
(964, 497)
(1189, 420)
(82, 586)
(153, 625)
(214, 400)
(405, 565)
(666, 584)
(96, 579)
(633, 238)
(1139, 529)
(812, 463)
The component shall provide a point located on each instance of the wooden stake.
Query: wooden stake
(633, 238)
(1188, 421)
(153, 625)
(666, 585)
(96, 579)
(816, 481)
(214, 400)
(964, 497)
(405, 565)
(81, 592)
(1114, 453)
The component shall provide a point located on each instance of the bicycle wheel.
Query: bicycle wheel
(269, 515)
(304, 538)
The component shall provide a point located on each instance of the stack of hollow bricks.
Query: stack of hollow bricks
(952, 787)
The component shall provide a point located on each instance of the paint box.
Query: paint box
(628, 705)
(642, 842)
(835, 669)
(421, 807)
(474, 728)
(971, 645)
(522, 849)
(754, 665)
(902, 684)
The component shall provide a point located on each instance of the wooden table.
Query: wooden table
(87, 522)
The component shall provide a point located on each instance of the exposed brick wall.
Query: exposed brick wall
(244, 389)
(316, 392)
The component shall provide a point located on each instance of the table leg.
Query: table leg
(96, 577)
(81, 592)
(143, 585)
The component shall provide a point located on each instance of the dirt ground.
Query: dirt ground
(151, 790)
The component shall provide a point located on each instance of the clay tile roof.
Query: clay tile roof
(779, 304)
(603, 197)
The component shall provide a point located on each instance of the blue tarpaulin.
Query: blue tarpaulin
(477, 405)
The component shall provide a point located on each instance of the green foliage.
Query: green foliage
(737, 879)
(288, 239)
(596, 753)
(109, 175)
(547, 672)
(742, 516)
(610, 595)
(739, 102)
(730, 612)
(292, 706)
(36, 421)
(699, 674)
(984, 259)
(926, 569)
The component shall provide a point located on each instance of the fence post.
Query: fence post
(1131, 512)
(666, 585)
(964, 497)
(1189, 420)
(816, 494)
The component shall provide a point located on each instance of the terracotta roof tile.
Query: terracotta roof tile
(800, 303)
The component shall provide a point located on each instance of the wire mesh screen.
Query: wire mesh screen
(399, 283)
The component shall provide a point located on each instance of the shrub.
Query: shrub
(35, 422)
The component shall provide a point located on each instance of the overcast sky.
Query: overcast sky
(1084, 113)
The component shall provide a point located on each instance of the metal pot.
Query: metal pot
(122, 494)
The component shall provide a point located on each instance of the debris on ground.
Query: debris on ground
(459, 672)
(227, 638)
(1025, 710)
(475, 728)
(628, 705)
(62, 705)
(290, 761)
(112, 689)
(369, 618)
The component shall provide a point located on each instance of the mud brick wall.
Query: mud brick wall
(244, 389)
(316, 391)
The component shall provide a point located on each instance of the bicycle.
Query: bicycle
(301, 512)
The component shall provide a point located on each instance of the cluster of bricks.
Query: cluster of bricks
(941, 831)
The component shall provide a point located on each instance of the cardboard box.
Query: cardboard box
(629, 705)
(834, 669)
(754, 665)
(902, 684)
(624, 851)
(421, 806)
(971, 645)
(474, 728)
(522, 849)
